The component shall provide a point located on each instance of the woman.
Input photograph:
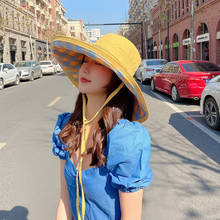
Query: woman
(104, 150)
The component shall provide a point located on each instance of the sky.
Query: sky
(98, 11)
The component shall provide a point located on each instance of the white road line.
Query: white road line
(186, 116)
(54, 101)
(196, 116)
(2, 145)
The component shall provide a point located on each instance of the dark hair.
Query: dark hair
(120, 106)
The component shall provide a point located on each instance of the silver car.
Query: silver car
(210, 103)
(8, 74)
(149, 67)
(29, 70)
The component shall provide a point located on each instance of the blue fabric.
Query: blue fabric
(127, 169)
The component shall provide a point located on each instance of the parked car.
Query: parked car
(210, 103)
(59, 69)
(48, 67)
(149, 67)
(29, 70)
(8, 74)
(184, 78)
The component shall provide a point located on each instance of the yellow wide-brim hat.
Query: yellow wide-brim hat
(113, 51)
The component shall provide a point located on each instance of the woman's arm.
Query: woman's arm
(131, 205)
(64, 210)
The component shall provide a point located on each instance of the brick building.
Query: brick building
(206, 28)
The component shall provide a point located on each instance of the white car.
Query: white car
(8, 74)
(210, 103)
(147, 68)
(48, 67)
(59, 69)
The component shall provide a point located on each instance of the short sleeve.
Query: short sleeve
(128, 156)
(58, 146)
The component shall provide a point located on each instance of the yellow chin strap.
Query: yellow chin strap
(84, 137)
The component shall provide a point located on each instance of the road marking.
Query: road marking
(2, 145)
(54, 101)
(190, 119)
(196, 116)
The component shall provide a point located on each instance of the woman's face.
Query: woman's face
(94, 77)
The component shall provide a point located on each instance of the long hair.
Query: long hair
(120, 106)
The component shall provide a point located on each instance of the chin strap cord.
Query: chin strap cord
(84, 137)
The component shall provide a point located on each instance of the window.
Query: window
(72, 28)
(179, 8)
(174, 68)
(10, 66)
(197, 3)
(200, 67)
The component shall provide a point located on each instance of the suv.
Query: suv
(210, 103)
(8, 75)
(29, 70)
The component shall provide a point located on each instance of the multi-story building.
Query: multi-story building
(140, 12)
(27, 27)
(123, 30)
(75, 28)
(176, 16)
(94, 34)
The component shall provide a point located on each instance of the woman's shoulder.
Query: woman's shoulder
(127, 137)
(126, 131)
(61, 121)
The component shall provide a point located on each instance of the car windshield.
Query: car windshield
(45, 63)
(200, 67)
(155, 62)
(23, 64)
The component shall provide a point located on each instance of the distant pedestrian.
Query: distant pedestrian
(104, 150)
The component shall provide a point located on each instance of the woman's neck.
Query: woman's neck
(94, 103)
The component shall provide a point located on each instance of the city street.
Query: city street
(185, 154)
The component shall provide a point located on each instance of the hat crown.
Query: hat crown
(121, 49)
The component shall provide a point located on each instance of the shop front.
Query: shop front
(175, 47)
(186, 48)
(203, 46)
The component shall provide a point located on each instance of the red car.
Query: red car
(184, 78)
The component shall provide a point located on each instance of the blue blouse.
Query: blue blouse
(127, 169)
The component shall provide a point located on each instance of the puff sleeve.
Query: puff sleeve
(128, 156)
(58, 146)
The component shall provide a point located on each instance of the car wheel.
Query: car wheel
(17, 81)
(32, 77)
(211, 111)
(152, 84)
(1, 84)
(175, 94)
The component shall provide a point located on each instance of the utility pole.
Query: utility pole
(168, 35)
(192, 31)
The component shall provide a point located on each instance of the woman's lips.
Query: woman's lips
(84, 80)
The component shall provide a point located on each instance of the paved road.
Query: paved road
(185, 154)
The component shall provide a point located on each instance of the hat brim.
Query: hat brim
(69, 53)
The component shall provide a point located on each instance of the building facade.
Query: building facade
(141, 34)
(94, 34)
(27, 28)
(177, 17)
(75, 28)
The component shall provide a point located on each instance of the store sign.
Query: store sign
(218, 35)
(186, 41)
(176, 44)
(202, 38)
